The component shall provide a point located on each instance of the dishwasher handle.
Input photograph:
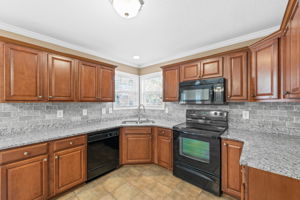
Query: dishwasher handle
(102, 136)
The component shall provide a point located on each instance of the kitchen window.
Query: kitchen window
(151, 91)
(127, 91)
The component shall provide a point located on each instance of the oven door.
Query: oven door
(199, 152)
(196, 94)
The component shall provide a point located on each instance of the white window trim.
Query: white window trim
(138, 91)
(155, 74)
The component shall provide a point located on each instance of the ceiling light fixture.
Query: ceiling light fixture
(127, 8)
(136, 57)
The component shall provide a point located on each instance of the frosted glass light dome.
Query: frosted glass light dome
(127, 8)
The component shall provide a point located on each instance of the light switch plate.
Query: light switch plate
(166, 110)
(103, 111)
(110, 110)
(60, 114)
(84, 112)
(246, 114)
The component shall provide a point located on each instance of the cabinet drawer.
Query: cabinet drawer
(164, 132)
(137, 130)
(23, 153)
(68, 143)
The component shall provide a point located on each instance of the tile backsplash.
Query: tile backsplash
(18, 117)
(268, 117)
(275, 117)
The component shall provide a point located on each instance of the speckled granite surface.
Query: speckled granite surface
(26, 138)
(275, 153)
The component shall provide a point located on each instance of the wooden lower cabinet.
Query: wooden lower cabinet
(26, 179)
(42, 171)
(165, 148)
(136, 145)
(262, 185)
(231, 169)
(69, 168)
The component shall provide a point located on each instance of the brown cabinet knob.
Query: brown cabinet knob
(56, 157)
(71, 143)
(26, 153)
(286, 93)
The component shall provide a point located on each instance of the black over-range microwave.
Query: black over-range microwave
(208, 91)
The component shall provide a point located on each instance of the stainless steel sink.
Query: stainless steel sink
(147, 121)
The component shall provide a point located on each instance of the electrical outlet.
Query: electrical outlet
(166, 110)
(103, 111)
(60, 114)
(246, 114)
(110, 110)
(84, 112)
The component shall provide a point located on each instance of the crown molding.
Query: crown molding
(44, 38)
(243, 38)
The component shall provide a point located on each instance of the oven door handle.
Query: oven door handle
(196, 173)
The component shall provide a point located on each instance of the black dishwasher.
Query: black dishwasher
(103, 152)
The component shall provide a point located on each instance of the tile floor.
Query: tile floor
(139, 182)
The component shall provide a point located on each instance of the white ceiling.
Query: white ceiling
(165, 29)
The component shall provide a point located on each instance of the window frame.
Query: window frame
(146, 76)
(135, 76)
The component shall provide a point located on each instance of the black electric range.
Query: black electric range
(197, 148)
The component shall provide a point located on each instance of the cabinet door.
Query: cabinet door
(265, 70)
(236, 73)
(263, 185)
(212, 68)
(137, 148)
(25, 179)
(24, 71)
(170, 84)
(291, 58)
(231, 169)
(70, 168)
(61, 78)
(190, 71)
(88, 82)
(107, 84)
(164, 151)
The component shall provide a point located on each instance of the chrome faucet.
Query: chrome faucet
(139, 112)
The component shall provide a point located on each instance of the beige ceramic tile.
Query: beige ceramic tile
(139, 182)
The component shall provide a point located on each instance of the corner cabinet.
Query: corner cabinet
(171, 83)
(231, 169)
(291, 59)
(265, 69)
(236, 72)
(136, 145)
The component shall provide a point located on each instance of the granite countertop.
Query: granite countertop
(26, 138)
(279, 154)
(275, 153)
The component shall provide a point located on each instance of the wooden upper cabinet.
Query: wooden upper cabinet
(231, 169)
(70, 168)
(171, 84)
(27, 179)
(236, 72)
(190, 71)
(89, 82)
(212, 68)
(23, 74)
(291, 58)
(61, 72)
(264, 70)
(106, 83)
